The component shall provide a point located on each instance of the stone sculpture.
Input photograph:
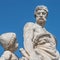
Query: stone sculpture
(8, 41)
(39, 44)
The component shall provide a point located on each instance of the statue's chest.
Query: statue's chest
(39, 30)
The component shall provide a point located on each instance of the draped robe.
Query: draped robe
(39, 43)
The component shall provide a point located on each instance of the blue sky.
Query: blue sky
(14, 14)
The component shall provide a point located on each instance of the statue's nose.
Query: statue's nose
(40, 14)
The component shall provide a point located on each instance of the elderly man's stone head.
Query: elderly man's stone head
(8, 41)
(41, 13)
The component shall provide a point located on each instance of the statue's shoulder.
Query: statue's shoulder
(6, 54)
(29, 25)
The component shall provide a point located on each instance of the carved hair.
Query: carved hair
(40, 7)
(7, 39)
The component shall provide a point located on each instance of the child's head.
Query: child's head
(8, 41)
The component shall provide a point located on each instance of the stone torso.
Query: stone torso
(40, 41)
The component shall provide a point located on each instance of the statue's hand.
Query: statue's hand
(24, 53)
(6, 55)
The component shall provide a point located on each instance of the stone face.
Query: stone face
(39, 44)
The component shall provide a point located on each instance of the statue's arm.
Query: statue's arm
(28, 37)
(6, 55)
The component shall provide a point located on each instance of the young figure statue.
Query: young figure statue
(9, 43)
(39, 44)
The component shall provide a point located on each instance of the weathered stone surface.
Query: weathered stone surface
(39, 44)
(8, 41)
